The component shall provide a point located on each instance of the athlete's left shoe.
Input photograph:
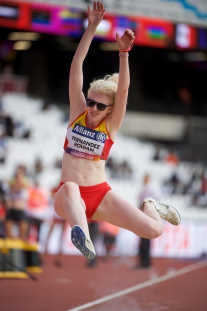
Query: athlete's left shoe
(82, 243)
(165, 211)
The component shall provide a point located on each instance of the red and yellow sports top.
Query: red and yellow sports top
(88, 143)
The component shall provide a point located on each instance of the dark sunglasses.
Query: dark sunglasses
(100, 106)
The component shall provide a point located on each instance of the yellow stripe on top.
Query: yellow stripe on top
(82, 121)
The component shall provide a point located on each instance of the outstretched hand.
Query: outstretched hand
(125, 42)
(96, 15)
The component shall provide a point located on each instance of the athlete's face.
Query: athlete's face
(95, 112)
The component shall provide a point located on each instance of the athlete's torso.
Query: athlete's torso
(92, 144)
(18, 193)
(85, 151)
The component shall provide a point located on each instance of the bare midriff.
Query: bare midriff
(81, 171)
(17, 205)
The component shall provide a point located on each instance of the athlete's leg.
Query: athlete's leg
(8, 228)
(48, 237)
(68, 204)
(121, 213)
(23, 229)
(58, 262)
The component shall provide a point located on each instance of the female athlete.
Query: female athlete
(94, 122)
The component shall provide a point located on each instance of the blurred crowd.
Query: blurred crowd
(19, 196)
(195, 185)
(119, 170)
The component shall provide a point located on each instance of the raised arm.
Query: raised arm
(77, 100)
(119, 109)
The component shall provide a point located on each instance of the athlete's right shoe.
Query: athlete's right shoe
(165, 211)
(82, 242)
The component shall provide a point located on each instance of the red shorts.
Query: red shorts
(92, 196)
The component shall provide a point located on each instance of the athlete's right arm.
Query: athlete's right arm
(77, 100)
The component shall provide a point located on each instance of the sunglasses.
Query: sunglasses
(100, 106)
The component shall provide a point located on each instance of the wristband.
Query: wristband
(127, 50)
(124, 55)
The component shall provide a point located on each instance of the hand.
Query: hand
(96, 15)
(126, 40)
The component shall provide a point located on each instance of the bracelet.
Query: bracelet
(124, 55)
(127, 50)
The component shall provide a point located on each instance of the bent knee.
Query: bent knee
(156, 231)
(59, 210)
(69, 188)
(58, 205)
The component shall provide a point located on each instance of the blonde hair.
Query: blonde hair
(106, 86)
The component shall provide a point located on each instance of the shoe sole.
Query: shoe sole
(79, 239)
(173, 220)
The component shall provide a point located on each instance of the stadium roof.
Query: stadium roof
(193, 12)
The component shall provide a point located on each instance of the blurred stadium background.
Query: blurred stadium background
(164, 132)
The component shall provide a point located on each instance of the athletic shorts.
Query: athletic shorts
(16, 215)
(92, 196)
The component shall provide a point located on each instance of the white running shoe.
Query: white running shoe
(166, 212)
(82, 242)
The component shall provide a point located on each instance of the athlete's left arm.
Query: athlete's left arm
(119, 109)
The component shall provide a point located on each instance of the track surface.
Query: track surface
(74, 285)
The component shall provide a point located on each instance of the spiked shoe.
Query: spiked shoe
(165, 211)
(82, 242)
